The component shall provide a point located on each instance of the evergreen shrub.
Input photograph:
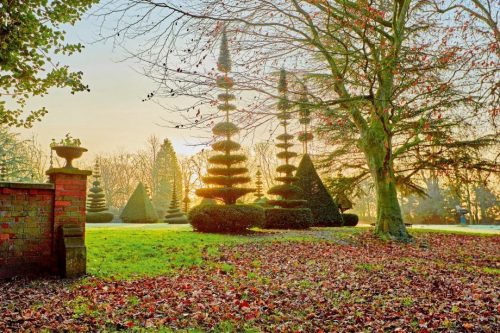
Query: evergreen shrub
(288, 218)
(139, 208)
(102, 217)
(325, 211)
(225, 218)
(350, 220)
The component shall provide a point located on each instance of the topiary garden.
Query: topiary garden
(174, 213)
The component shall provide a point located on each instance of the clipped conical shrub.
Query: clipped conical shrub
(324, 209)
(96, 205)
(139, 208)
(174, 213)
(226, 175)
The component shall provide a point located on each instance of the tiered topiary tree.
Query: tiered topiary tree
(174, 213)
(226, 174)
(96, 206)
(324, 209)
(290, 215)
(139, 208)
(305, 119)
(258, 184)
(261, 199)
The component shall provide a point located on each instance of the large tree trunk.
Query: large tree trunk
(377, 149)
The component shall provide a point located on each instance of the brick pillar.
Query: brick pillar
(70, 191)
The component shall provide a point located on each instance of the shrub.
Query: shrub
(350, 220)
(324, 209)
(139, 208)
(102, 217)
(288, 218)
(225, 218)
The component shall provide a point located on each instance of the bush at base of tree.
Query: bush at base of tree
(102, 217)
(288, 218)
(350, 220)
(225, 218)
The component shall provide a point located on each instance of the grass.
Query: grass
(128, 253)
(133, 253)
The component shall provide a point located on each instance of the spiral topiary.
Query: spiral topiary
(286, 191)
(225, 174)
(174, 213)
(96, 206)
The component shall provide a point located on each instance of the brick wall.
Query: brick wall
(26, 234)
(31, 217)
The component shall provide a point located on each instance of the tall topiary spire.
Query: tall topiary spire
(287, 191)
(305, 119)
(226, 175)
(97, 200)
(174, 213)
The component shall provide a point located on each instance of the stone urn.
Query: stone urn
(69, 153)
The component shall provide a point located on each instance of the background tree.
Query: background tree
(24, 160)
(31, 34)
(228, 174)
(165, 172)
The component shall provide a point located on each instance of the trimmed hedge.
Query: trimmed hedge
(226, 218)
(288, 218)
(350, 220)
(102, 217)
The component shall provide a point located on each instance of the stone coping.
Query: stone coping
(69, 171)
(39, 186)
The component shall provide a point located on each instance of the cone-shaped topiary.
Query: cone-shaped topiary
(305, 119)
(324, 209)
(96, 205)
(139, 208)
(226, 176)
(174, 214)
(286, 191)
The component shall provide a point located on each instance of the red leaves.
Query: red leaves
(312, 286)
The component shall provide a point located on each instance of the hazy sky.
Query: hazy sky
(111, 116)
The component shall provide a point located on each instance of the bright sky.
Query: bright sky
(111, 116)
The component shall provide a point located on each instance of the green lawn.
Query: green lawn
(134, 253)
(128, 253)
